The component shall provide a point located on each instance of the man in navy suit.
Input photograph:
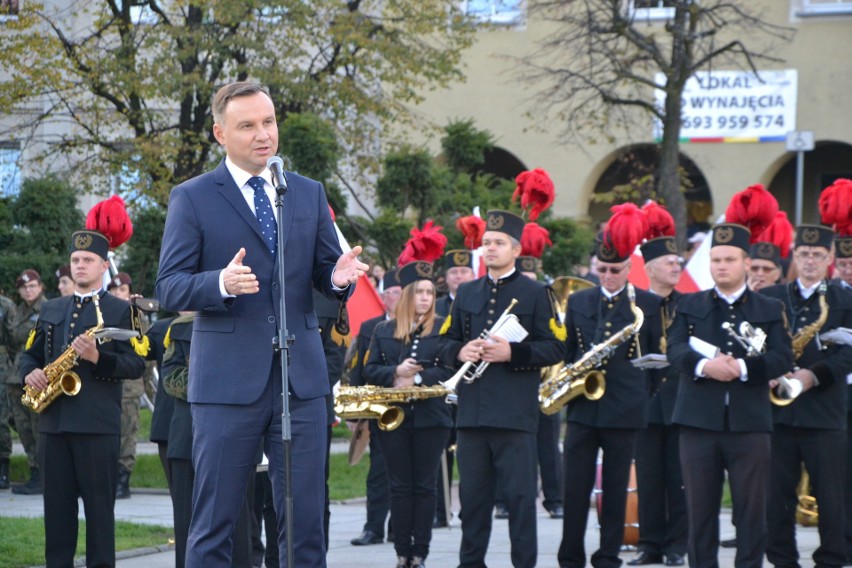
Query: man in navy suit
(235, 378)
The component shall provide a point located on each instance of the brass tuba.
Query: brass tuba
(374, 403)
(60, 376)
(563, 287)
(785, 392)
(582, 377)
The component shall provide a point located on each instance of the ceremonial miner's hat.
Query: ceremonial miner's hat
(732, 234)
(814, 236)
(624, 231)
(526, 264)
(458, 258)
(424, 247)
(414, 271)
(505, 222)
(660, 238)
(390, 279)
(773, 243)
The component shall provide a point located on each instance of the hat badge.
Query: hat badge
(495, 222)
(810, 236)
(671, 246)
(528, 265)
(423, 269)
(83, 241)
(606, 252)
(724, 235)
(765, 250)
(461, 258)
(845, 247)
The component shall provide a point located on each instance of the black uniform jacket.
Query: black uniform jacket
(386, 353)
(701, 402)
(443, 305)
(506, 396)
(176, 360)
(591, 319)
(163, 403)
(825, 405)
(362, 346)
(96, 409)
(664, 382)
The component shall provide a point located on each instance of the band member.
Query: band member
(219, 257)
(404, 354)
(65, 284)
(378, 498)
(812, 429)
(662, 506)
(771, 246)
(596, 316)
(458, 269)
(78, 435)
(498, 412)
(723, 400)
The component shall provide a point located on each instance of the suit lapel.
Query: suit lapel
(229, 190)
(287, 215)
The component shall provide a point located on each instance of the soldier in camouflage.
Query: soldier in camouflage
(7, 312)
(31, 290)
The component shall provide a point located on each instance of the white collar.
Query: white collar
(733, 297)
(241, 176)
(610, 295)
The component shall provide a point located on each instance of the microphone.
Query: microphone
(276, 166)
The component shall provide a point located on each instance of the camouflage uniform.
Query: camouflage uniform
(7, 312)
(131, 393)
(26, 421)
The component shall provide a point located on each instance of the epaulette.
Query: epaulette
(446, 327)
(557, 327)
(141, 345)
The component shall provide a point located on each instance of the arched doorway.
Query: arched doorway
(632, 169)
(502, 163)
(828, 161)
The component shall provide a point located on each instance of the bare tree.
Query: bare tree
(599, 64)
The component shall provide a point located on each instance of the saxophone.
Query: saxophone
(783, 397)
(583, 377)
(60, 376)
(372, 402)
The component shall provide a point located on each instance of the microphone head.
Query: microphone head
(275, 161)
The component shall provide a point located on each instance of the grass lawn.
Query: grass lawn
(23, 539)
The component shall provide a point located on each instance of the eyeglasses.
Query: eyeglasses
(843, 266)
(815, 256)
(611, 269)
(763, 268)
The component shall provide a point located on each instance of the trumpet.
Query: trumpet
(471, 371)
(754, 341)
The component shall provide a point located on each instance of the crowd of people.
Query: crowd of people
(744, 382)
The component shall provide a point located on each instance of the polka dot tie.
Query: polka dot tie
(265, 216)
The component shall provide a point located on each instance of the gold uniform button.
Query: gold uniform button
(74, 315)
(493, 301)
(609, 306)
(489, 322)
(607, 333)
(609, 324)
(490, 311)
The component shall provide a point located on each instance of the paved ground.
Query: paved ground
(347, 520)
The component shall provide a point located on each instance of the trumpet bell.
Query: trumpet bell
(786, 391)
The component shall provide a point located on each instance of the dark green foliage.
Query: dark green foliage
(142, 251)
(35, 230)
(311, 145)
(464, 146)
(572, 244)
(407, 181)
(388, 231)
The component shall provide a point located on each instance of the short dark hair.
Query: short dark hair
(232, 91)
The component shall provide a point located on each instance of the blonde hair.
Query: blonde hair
(406, 319)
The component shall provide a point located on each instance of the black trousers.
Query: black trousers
(450, 452)
(85, 466)
(181, 479)
(848, 490)
(549, 462)
(704, 457)
(663, 526)
(823, 454)
(411, 459)
(486, 455)
(581, 452)
(378, 497)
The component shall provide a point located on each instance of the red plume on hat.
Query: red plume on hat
(427, 244)
(535, 189)
(753, 207)
(626, 229)
(472, 227)
(660, 221)
(534, 239)
(779, 233)
(109, 217)
(835, 206)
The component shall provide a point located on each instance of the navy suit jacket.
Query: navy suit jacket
(207, 223)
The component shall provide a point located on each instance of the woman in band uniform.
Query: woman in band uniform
(403, 354)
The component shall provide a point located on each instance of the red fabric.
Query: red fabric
(626, 228)
(364, 304)
(333, 216)
(109, 217)
(472, 227)
(535, 190)
(753, 207)
(835, 206)
(660, 221)
(779, 233)
(639, 278)
(534, 239)
(427, 244)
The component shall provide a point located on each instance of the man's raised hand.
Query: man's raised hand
(238, 278)
(348, 269)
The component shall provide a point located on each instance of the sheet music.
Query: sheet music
(705, 349)
(651, 361)
(512, 331)
(839, 335)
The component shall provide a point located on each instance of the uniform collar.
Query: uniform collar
(610, 295)
(730, 299)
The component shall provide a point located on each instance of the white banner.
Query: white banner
(735, 106)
